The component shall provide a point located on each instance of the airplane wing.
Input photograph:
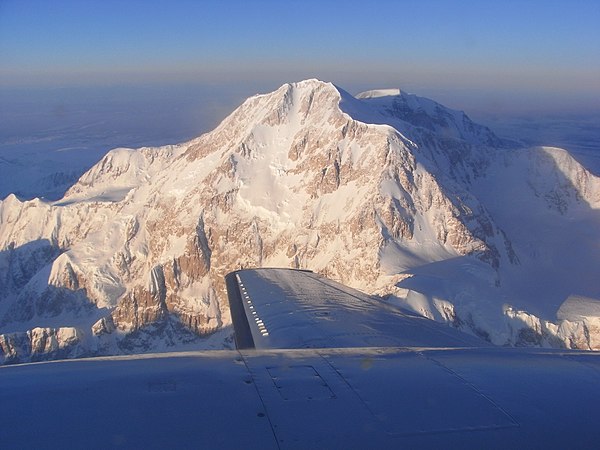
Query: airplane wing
(329, 368)
(285, 309)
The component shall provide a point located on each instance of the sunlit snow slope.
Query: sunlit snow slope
(387, 192)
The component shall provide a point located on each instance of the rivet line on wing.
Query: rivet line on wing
(259, 323)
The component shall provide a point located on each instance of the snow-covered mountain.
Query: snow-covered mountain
(387, 192)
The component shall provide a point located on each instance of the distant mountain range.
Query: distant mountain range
(387, 192)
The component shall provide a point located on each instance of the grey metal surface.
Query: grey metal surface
(296, 399)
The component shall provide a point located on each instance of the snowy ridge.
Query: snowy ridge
(375, 93)
(389, 193)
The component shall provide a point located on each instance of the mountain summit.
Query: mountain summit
(387, 192)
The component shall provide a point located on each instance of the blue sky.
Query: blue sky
(535, 48)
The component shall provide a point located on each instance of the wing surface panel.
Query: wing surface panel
(549, 392)
(308, 398)
(191, 400)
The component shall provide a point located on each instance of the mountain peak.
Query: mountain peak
(299, 87)
(389, 192)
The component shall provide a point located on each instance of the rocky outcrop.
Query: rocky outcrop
(41, 344)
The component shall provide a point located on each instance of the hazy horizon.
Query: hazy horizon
(485, 56)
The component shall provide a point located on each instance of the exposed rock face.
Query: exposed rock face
(41, 344)
(362, 190)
